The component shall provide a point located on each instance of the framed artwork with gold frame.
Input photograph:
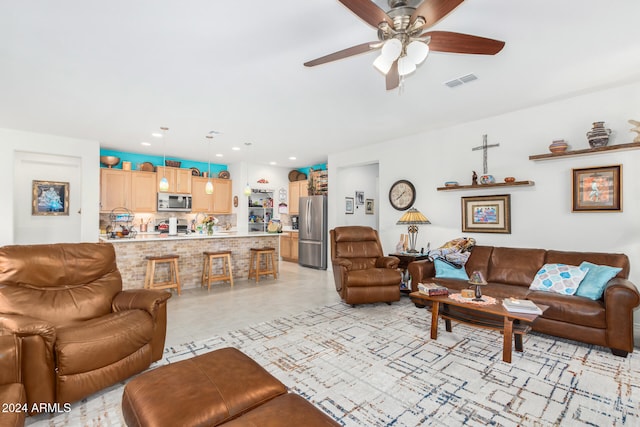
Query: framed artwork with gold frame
(487, 214)
(49, 198)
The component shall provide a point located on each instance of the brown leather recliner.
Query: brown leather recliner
(362, 273)
(12, 395)
(80, 332)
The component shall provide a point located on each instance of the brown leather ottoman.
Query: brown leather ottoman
(213, 388)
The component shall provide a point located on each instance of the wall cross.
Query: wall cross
(484, 147)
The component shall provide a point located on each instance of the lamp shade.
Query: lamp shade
(417, 51)
(391, 49)
(412, 217)
(383, 64)
(209, 187)
(477, 278)
(406, 66)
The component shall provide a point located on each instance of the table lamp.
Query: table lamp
(477, 279)
(411, 219)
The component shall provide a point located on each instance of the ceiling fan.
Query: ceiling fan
(402, 38)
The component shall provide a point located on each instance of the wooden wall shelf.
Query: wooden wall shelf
(485, 186)
(588, 151)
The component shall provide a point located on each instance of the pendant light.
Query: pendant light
(247, 190)
(209, 187)
(164, 182)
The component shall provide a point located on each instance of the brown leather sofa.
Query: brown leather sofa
(361, 271)
(12, 394)
(79, 331)
(607, 322)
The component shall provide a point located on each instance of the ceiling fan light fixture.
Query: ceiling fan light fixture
(405, 66)
(417, 51)
(382, 64)
(391, 49)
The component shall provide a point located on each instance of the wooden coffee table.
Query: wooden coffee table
(492, 316)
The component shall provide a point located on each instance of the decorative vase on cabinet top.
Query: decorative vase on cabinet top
(598, 136)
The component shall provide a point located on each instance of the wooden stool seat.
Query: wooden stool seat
(257, 255)
(207, 273)
(173, 281)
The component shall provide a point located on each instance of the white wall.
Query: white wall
(88, 153)
(540, 215)
(357, 178)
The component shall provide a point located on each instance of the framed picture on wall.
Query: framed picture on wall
(49, 198)
(348, 205)
(597, 189)
(368, 206)
(359, 198)
(487, 214)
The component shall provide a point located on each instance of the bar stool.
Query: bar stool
(255, 260)
(207, 273)
(173, 281)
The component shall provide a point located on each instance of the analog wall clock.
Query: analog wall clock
(402, 194)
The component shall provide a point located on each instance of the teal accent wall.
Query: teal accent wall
(137, 159)
(319, 167)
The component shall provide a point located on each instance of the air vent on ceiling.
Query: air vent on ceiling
(461, 80)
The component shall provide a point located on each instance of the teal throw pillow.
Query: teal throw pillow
(559, 278)
(593, 284)
(445, 270)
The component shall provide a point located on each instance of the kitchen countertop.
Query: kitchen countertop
(150, 237)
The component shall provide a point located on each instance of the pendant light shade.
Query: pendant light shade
(247, 190)
(209, 187)
(405, 66)
(164, 182)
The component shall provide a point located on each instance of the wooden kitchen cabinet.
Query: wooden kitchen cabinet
(134, 190)
(179, 179)
(115, 189)
(289, 246)
(143, 191)
(218, 203)
(297, 189)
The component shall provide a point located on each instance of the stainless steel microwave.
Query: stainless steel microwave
(168, 202)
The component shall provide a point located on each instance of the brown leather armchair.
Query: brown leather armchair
(361, 271)
(80, 332)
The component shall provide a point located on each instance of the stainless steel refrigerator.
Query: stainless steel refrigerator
(312, 232)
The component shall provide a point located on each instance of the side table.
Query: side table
(405, 259)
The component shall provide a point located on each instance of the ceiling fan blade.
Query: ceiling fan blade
(345, 53)
(445, 41)
(368, 11)
(393, 77)
(434, 10)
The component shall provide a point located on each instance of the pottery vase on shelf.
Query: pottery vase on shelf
(487, 179)
(558, 146)
(598, 136)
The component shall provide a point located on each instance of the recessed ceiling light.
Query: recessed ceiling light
(157, 135)
(272, 163)
(146, 144)
(218, 155)
(292, 158)
(235, 148)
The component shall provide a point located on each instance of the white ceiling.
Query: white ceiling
(115, 71)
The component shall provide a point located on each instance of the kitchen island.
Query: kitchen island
(131, 253)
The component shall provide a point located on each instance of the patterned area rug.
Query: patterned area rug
(375, 365)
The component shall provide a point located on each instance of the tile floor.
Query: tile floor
(198, 314)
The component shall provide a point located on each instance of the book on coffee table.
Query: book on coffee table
(432, 289)
(521, 306)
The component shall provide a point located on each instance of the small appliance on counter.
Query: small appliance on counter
(165, 226)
